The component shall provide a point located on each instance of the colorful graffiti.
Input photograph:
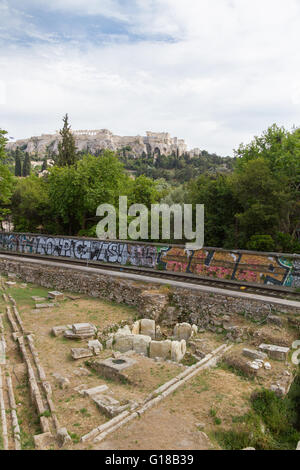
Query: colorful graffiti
(78, 248)
(250, 267)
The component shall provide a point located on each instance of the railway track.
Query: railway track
(237, 286)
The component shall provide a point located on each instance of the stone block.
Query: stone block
(123, 343)
(113, 368)
(44, 421)
(141, 344)
(2, 353)
(147, 327)
(63, 437)
(71, 335)
(81, 371)
(82, 328)
(183, 331)
(158, 333)
(16, 335)
(95, 346)
(94, 391)
(125, 331)
(194, 329)
(178, 349)
(109, 406)
(63, 382)
(43, 441)
(80, 353)
(38, 299)
(160, 349)
(56, 295)
(136, 328)
(275, 352)
(254, 354)
(39, 306)
(59, 330)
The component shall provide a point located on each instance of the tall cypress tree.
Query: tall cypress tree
(67, 152)
(18, 163)
(27, 165)
(45, 164)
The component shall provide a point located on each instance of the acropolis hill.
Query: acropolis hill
(96, 140)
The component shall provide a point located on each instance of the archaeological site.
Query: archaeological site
(149, 231)
(96, 361)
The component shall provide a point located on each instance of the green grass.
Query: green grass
(273, 423)
(27, 441)
(229, 368)
(85, 412)
(75, 438)
(46, 414)
(200, 384)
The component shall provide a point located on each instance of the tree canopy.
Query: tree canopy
(254, 205)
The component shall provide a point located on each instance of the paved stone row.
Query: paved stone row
(3, 414)
(41, 395)
(40, 388)
(7, 391)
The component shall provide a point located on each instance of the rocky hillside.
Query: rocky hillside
(153, 143)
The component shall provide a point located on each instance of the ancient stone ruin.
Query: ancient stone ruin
(152, 144)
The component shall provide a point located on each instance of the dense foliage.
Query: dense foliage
(6, 180)
(251, 201)
(273, 423)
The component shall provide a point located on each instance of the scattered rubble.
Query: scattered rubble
(63, 382)
(81, 371)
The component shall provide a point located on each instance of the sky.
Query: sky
(213, 72)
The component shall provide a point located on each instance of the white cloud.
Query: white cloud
(231, 71)
(109, 8)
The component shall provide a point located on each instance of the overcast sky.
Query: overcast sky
(214, 72)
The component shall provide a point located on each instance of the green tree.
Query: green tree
(27, 165)
(45, 164)
(267, 184)
(76, 191)
(221, 205)
(67, 154)
(6, 179)
(143, 191)
(30, 204)
(18, 163)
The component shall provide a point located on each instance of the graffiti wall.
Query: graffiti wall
(250, 267)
